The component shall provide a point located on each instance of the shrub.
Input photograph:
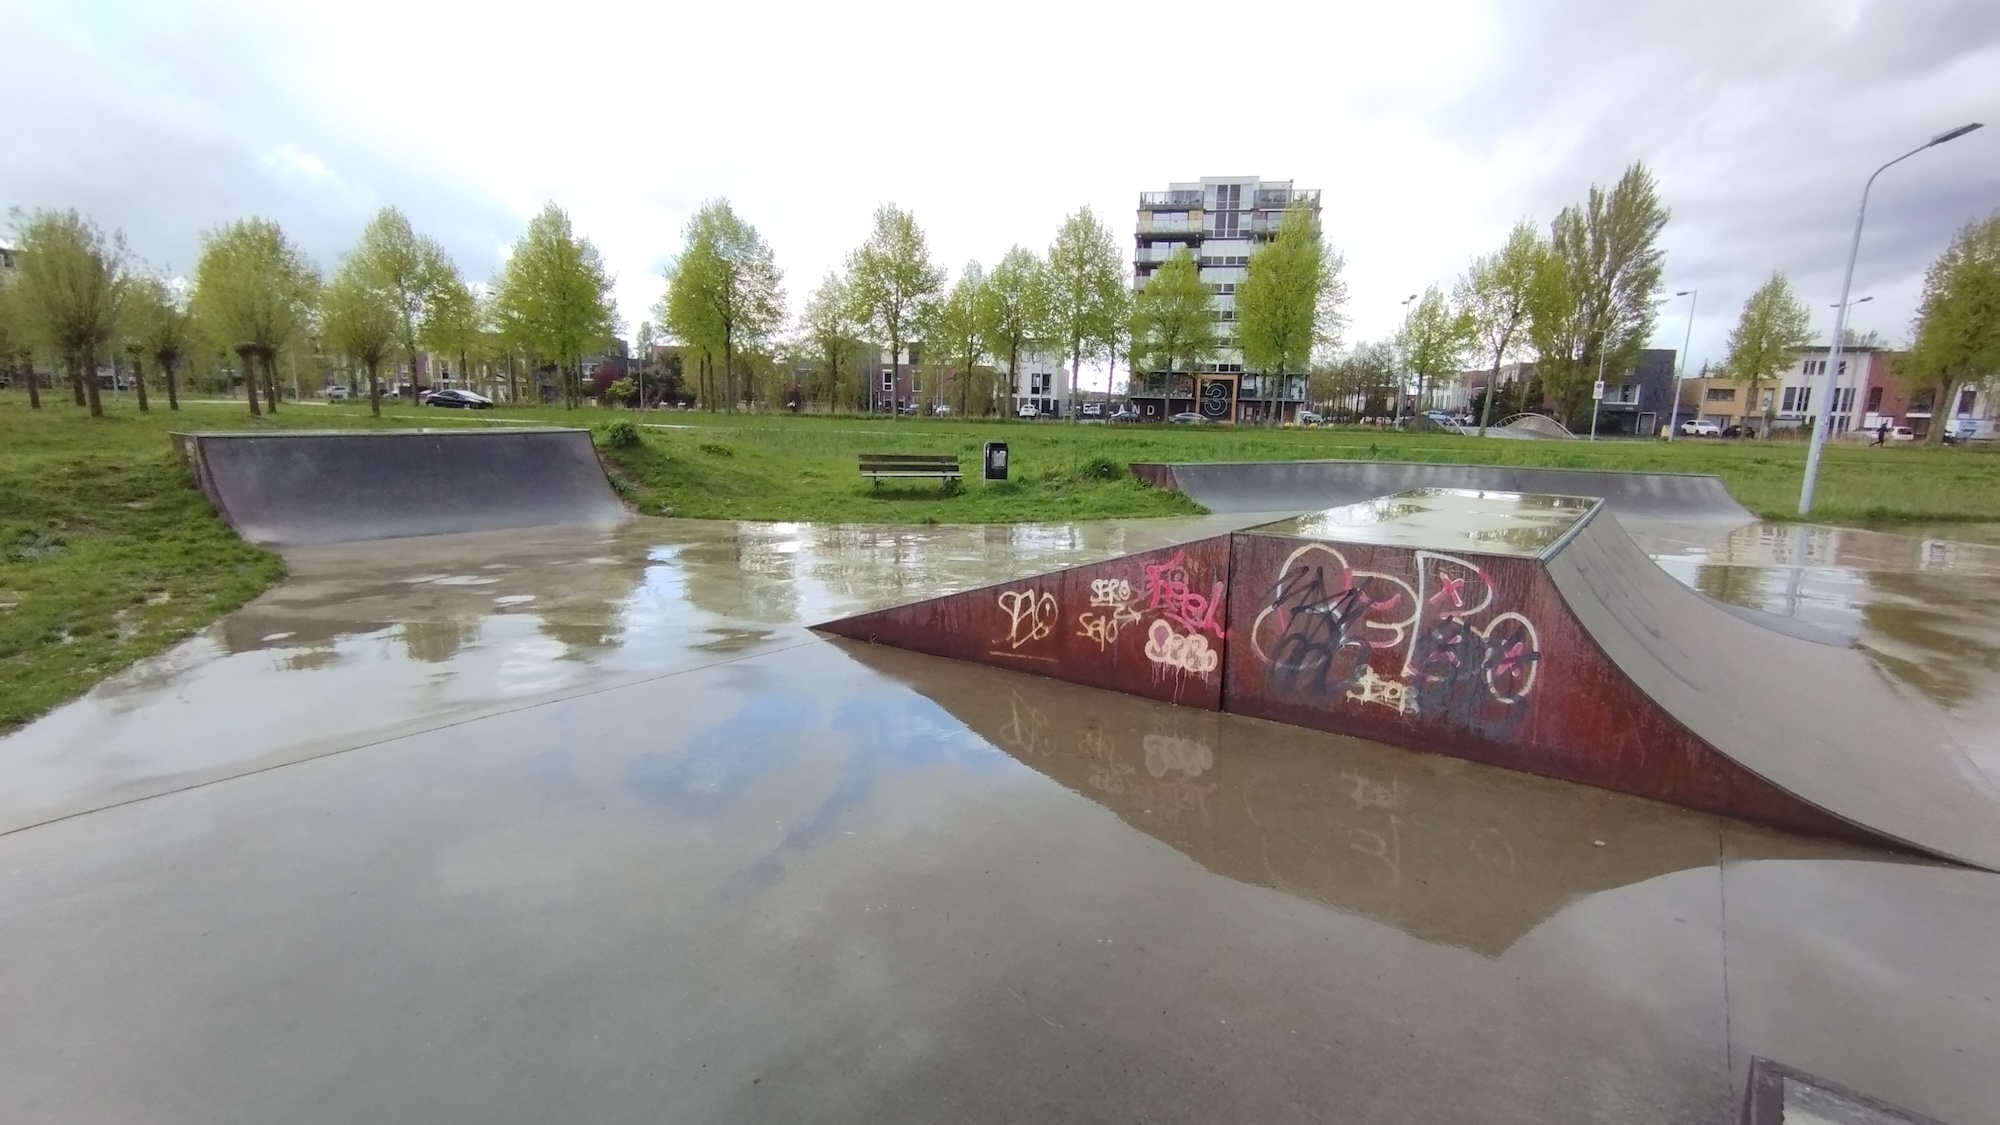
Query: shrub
(619, 433)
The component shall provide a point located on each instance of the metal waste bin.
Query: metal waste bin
(996, 460)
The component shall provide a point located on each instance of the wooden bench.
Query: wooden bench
(943, 466)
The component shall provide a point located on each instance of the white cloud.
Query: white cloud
(1430, 127)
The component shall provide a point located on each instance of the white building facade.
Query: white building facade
(1220, 220)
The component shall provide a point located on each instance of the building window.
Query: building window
(1228, 197)
(1721, 394)
(1225, 222)
(1966, 398)
(1797, 400)
(1874, 400)
(889, 381)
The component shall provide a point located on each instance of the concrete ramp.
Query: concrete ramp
(1521, 631)
(305, 487)
(1817, 720)
(1306, 486)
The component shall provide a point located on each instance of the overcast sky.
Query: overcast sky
(1430, 126)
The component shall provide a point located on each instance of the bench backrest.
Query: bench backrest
(908, 462)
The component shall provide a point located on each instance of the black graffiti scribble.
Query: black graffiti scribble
(1472, 679)
(1319, 649)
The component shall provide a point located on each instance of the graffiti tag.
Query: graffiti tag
(1170, 592)
(1187, 652)
(1031, 615)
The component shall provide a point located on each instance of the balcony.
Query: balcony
(1280, 199)
(1170, 226)
(1169, 199)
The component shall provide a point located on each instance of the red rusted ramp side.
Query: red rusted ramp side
(1149, 624)
(1472, 655)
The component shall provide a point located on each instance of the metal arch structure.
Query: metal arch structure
(1540, 425)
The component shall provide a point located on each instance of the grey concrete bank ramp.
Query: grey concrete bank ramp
(1819, 721)
(1272, 486)
(305, 487)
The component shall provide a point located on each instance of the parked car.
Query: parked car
(1123, 416)
(940, 410)
(1310, 418)
(337, 393)
(1188, 418)
(1028, 411)
(1902, 433)
(455, 399)
(1700, 427)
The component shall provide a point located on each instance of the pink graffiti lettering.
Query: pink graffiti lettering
(1169, 592)
(1449, 587)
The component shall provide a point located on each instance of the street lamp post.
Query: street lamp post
(1403, 376)
(1680, 376)
(1824, 415)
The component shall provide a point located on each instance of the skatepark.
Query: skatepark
(1519, 795)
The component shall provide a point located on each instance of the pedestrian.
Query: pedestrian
(1882, 434)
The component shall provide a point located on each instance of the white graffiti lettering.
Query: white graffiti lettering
(1110, 591)
(1031, 615)
(1188, 652)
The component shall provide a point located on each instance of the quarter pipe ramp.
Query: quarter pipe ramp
(299, 488)
(1527, 632)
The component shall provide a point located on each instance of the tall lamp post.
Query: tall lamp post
(1824, 415)
(1403, 376)
(1680, 376)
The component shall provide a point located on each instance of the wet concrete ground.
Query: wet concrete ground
(589, 827)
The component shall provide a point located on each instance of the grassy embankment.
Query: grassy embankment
(106, 556)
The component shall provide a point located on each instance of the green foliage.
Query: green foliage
(718, 449)
(554, 297)
(1498, 294)
(1436, 337)
(1291, 299)
(412, 269)
(1958, 321)
(1014, 307)
(1089, 303)
(1773, 327)
(71, 285)
(829, 334)
(361, 319)
(1173, 326)
(892, 284)
(956, 330)
(1592, 302)
(619, 433)
(725, 291)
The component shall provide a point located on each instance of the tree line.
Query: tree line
(78, 297)
(1581, 298)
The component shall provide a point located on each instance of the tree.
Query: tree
(15, 350)
(554, 297)
(362, 321)
(829, 334)
(254, 291)
(1173, 325)
(729, 273)
(413, 269)
(1291, 298)
(1957, 329)
(1014, 307)
(1435, 339)
(1498, 294)
(956, 329)
(1592, 307)
(158, 324)
(1088, 300)
(893, 283)
(1366, 373)
(72, 282)
(451, 323)
(1768, 335)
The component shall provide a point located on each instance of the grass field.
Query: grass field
(107, 556)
